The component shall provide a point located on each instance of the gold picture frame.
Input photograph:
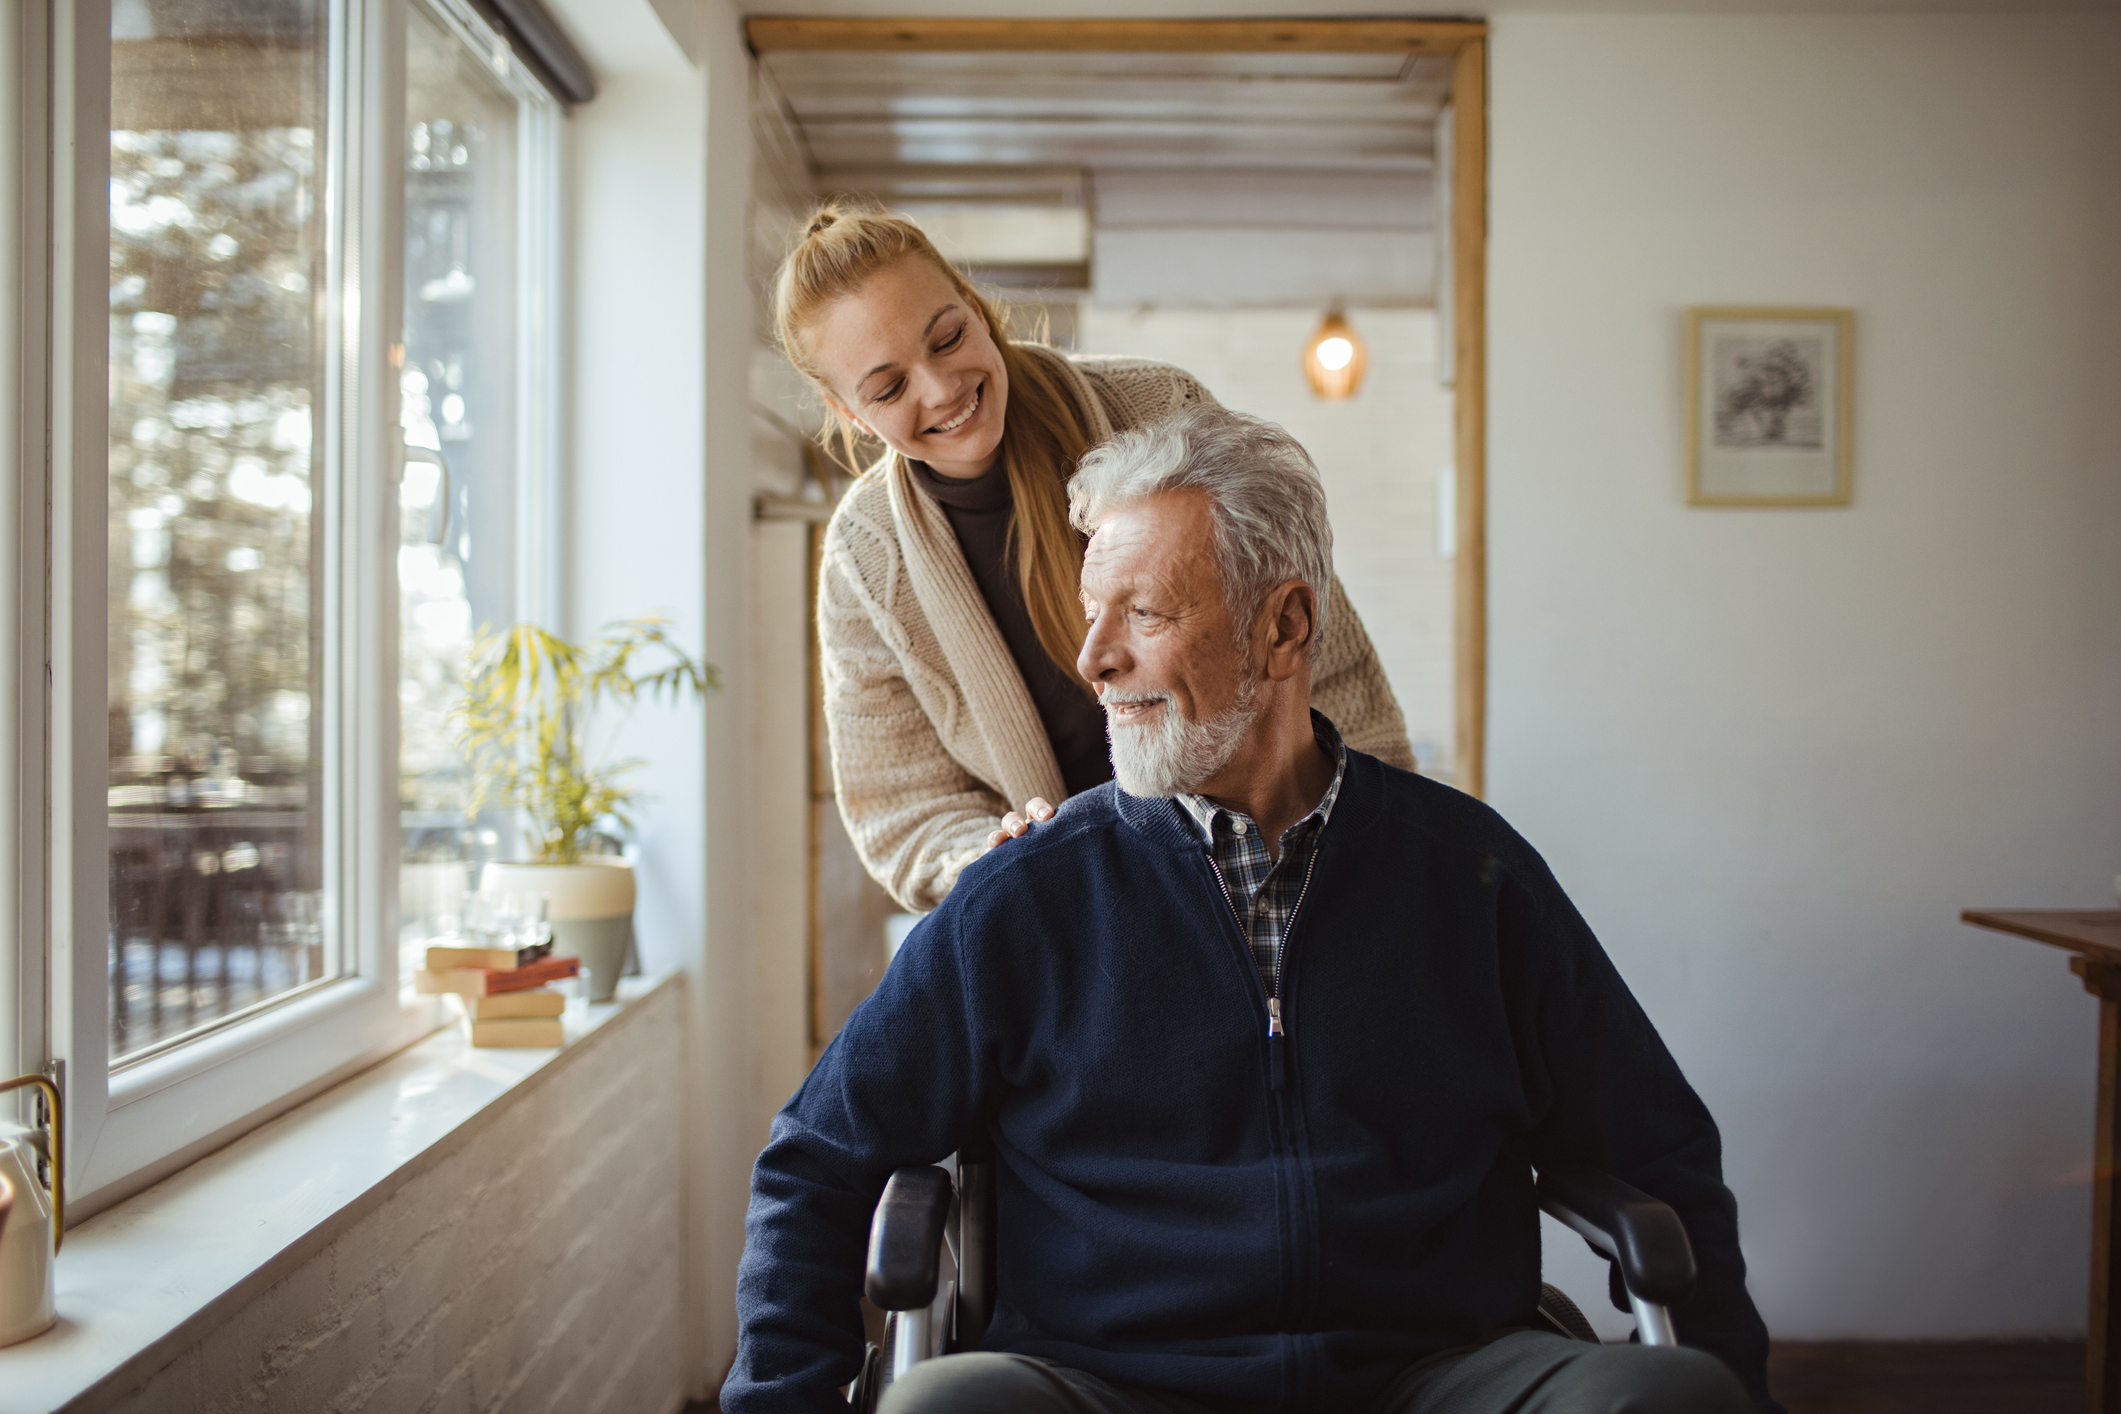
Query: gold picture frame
(1770, 399)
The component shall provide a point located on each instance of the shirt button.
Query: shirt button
(1238, 827)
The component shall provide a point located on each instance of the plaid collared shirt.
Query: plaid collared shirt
(1264, 891)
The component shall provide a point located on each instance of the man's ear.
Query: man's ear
(1291, 612)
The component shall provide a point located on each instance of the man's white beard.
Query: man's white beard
(1173, 755)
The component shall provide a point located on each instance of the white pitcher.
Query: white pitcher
(29, 1242)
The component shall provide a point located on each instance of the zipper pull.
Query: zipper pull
(1277, 1056)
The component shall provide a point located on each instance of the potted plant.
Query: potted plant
(523, 728)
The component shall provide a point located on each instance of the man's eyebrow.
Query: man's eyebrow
(887, 367)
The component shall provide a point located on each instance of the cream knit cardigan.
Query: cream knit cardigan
(934, 734)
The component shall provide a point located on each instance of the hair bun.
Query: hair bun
(820, 221)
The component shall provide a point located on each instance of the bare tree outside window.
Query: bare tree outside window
(215, 709)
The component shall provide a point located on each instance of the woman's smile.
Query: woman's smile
(963, 417)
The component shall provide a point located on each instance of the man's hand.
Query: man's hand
(1036, 809)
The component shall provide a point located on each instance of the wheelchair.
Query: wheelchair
(930, 1215)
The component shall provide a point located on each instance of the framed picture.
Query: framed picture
(1769, 398)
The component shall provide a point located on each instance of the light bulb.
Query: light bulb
(1334, 358)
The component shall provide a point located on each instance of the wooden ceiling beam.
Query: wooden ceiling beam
(769, 34)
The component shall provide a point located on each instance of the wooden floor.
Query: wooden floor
(1929, 1377)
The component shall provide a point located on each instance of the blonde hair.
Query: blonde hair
(1043, 436)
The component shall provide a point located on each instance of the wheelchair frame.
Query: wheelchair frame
(927, 1210)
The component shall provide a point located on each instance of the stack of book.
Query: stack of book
(504, 991)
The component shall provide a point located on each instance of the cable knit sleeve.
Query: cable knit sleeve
(1348, 685)
(915, 815)
(1132, 392)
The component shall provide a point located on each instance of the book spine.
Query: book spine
(529, 1032)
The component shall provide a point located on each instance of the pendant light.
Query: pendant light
(1335, 358)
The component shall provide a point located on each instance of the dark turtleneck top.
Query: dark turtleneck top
(978, 511)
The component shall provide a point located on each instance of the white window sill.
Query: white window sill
(143, 1280)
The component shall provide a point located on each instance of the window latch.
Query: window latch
(437, 509)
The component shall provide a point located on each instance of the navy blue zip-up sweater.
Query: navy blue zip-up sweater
(1185, 1203)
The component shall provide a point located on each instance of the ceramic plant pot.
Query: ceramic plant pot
(591, 908)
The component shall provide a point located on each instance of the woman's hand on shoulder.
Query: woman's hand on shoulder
(1037, 808)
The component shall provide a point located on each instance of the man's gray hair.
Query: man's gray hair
(1267, 503)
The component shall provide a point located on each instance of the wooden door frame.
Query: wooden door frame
(1466, 42)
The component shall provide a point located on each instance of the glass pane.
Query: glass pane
(216, 263)
(457, 546)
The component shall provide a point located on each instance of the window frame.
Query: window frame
(134, 1121)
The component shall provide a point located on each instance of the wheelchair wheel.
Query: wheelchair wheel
(1562, 1314)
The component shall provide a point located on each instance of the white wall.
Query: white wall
(660, 485)
(1774, 753)
(1378, 453)
(725, 1060)
(637, 356)
(781, 901)
(781, 409)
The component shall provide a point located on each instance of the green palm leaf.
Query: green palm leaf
(523, 719)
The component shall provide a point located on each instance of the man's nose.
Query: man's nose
(1101, 656)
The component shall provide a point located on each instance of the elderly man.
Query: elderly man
(1267, 1038)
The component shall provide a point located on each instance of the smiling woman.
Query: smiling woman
(939, 393)
(905, 350)
(948, 611)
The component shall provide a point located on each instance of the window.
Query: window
(218, 833)
(284, 518)
(470, 534)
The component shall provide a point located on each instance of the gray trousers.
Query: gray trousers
(1528, 1372)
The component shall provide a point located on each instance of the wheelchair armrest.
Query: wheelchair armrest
(906, 1239)
(1643, 1236)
